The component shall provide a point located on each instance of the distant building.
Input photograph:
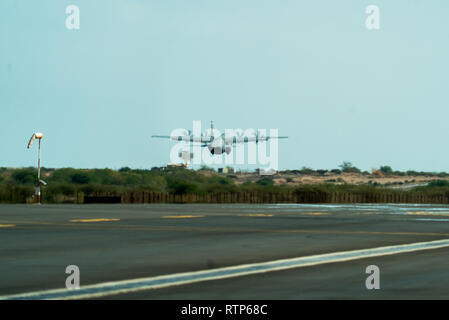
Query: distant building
(226, 170)
(268, 172)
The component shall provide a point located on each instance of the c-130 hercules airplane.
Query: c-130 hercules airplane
(219, 143)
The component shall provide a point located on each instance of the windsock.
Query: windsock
(31, 140)
(36, 135)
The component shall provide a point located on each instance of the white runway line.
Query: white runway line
(133, 285)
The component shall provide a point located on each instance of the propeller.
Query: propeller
(260, 137)
(185, 134)
(239, 135)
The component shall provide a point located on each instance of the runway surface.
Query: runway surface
(116, 243)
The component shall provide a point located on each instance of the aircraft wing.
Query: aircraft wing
(280, 137)
(186, 138)
(253, 139)
(209, 139)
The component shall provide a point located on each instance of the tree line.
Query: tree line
(18, 184)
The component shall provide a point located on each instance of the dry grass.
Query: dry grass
(348, 178)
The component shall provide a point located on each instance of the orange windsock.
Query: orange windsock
(31, 140)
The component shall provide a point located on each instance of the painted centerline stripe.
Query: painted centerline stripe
(7, 225)
(314, 213)
(94, 220)
(126, 286)
(421, 213)
(182, 217)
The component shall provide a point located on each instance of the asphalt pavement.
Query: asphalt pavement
(126, 242)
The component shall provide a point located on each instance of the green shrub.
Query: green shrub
(25, 176)
(181, 187)
(80, 178)
(265, 182)
(386, 170)
(347, 167)
(438, 183)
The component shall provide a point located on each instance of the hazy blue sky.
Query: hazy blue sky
(309, 68)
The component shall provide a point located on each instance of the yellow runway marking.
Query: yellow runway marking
(367, 213)
(428, 214)
(94, 220)
(7, 225)
(314, 213)
(182, 217)
(255, 215)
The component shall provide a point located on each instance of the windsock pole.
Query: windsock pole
(38, 191)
